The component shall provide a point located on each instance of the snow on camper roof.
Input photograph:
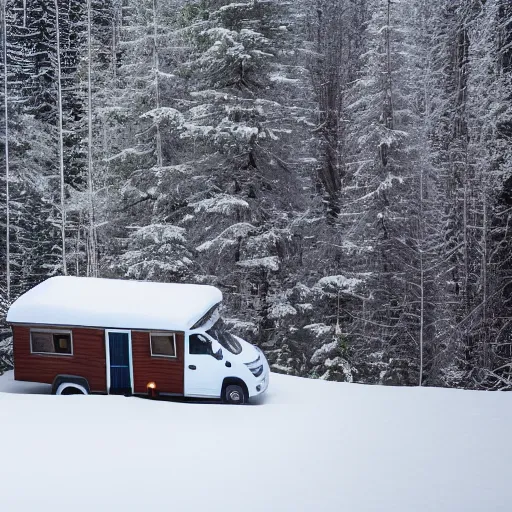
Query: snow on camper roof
(114, 303)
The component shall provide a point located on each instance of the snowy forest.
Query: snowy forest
(340, 169)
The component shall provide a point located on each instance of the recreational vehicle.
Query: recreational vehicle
(90, 335)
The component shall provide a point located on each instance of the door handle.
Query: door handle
(192, 366)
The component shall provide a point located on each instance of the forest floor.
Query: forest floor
(305, 446)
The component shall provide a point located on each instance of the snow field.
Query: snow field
(305, 446)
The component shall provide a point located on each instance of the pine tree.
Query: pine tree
(491, 164)
(245, 80)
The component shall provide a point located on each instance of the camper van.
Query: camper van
(88, 335)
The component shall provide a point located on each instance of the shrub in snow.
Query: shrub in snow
(338, 369)
(400, 372)
(330, 361)
(325, 351)
(287, 359)
(452, 376)
(370, 368)
(6, 355)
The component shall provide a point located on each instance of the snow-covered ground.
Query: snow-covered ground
(307, 446)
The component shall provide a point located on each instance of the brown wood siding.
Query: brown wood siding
(88, 359)
(167, 373)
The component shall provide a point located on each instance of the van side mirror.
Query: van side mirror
(218, 355)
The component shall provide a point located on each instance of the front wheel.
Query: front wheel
(234, 394)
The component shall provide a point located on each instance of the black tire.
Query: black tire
(234, 394)
(71, 390)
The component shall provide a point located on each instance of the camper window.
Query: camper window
(51, 342)
(163, 345)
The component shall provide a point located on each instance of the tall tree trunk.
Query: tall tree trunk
(7, 198)
(484, 278)
(61, 140)
(92, 267)
(422, 272)
(159, 158)
(390, 110)
(117, 17)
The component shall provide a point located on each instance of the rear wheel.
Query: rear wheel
(234, 394)
(70, 389)
(75, 385)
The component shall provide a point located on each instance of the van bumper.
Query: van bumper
(261, 385)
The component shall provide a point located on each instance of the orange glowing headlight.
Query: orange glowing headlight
(151, 385)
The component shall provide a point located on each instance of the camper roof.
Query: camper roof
(114, 303)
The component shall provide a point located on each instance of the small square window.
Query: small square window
(163, 345)
(62, 343)
(42, 342)
(48, 342)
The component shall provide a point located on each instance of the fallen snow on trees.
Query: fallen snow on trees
(265, 243)
(267, 263)
(319, 329)
(222, 203)
(240, 326)
(342, 284)
(128, 153)
(160, 114)
(304, 307)
(302, 291)
(233, 6)
(159, 233)
(352, 248)
(281, 310)
(228, 237)
(283, 79)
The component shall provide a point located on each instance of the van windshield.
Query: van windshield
(224, 337)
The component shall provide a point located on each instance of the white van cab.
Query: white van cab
(220, 364)
(215, 355)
